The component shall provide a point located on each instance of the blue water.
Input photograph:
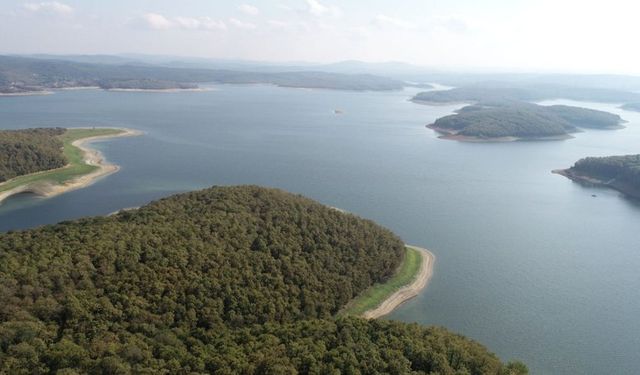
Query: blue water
(528, 263)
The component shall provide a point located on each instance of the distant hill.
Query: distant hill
(397, 70)
(632, 107)
(20, 74)
(618, 172)
(522, 121)
(229, 280)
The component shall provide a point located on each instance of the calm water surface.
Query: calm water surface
(528, 263)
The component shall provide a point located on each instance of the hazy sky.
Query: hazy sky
(557, 35)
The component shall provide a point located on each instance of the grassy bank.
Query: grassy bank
(374, 296)
(76, 167)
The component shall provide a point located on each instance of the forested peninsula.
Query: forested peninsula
(225, 280)
(618, 172)
(509, 121)
(51, 161)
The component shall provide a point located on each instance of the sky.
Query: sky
(516, 35)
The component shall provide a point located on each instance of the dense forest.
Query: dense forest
(523, 120)
(30, 150)
(21, 74)
(226, 280)
(618, 172)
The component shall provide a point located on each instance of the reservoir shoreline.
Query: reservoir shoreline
(407, 292)
(91, 157)
(593, 181)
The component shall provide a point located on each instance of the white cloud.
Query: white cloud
(187, 23)
(316, 8)
(240, 24)
(293, 28)
(202, 23)
(359, 32)
(384, 21)
(249, 9)
(157, 21)
(276, 24)
(49, 6)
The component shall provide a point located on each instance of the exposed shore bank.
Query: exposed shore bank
(172, 90)
(588, 180)
(454, 136)
(409, 291)
(91, 157)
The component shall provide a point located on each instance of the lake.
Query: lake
(528, 262)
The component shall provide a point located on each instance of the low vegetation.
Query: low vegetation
(375, 295)
(226, 280)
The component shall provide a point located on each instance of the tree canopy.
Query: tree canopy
(30, 150)
(623, 169)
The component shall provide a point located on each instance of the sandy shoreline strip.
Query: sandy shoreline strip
(173, 90)
(407, 292)
(26, 93)
(91, 156)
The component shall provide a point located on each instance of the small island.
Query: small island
(513, 121)
(52, 161)
(621, 173)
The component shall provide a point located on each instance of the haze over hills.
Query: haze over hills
(393, 69)
(20, 74)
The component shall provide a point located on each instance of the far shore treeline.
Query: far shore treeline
(32, 75)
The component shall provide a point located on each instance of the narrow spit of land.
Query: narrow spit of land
(381, 299)
(85, 165)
